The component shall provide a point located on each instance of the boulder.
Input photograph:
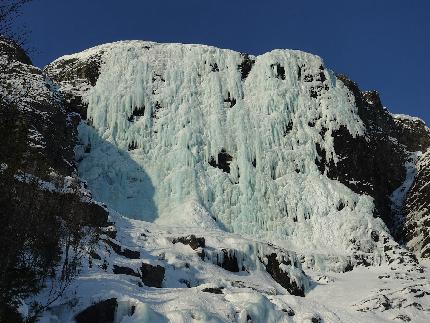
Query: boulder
(152, 276)
(101, 312)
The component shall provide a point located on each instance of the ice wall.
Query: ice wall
(173, 123)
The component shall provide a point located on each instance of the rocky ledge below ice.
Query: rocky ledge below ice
(143, 272)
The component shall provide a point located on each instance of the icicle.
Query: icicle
(170, 153)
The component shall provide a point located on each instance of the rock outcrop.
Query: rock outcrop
(46, 211)
(374, 164)
(101, 312)
(371, 164)
(75, 77)
(412, 133)
(417, 209)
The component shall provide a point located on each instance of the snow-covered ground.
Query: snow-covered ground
(407, 117)
(196, 289)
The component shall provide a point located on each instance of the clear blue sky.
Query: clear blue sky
(383, 45)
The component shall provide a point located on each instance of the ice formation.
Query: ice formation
(173, 124)
(222, 151)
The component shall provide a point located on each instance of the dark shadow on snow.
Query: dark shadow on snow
(114, 178)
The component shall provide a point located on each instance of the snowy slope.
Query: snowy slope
(201, 289)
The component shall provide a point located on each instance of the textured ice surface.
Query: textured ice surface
(161, 116)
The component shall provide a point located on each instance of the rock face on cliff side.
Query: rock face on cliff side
(417, 209)
(244, 181)
(43, 203)
(386, 151)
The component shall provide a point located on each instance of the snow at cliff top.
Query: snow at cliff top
(407, 117)
(237, 135)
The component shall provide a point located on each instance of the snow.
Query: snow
(3, 167)
(174, 302)
(398, 197)
(187, 122)
(418, 208)
(355, 289)
(143, 314)
(334, 297)
(407, 117)
(23, 309)
(24, 85)
(189, 214)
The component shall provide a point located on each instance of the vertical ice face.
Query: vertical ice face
(237, 134)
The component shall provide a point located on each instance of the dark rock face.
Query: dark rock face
(229, 261)
(119, 250)
(225, 258)
(132, 146)
(281, 277)
(137, 112)
(279, 70)
(102, 312)
(316, 319)
(389, 141)
(417, 209)
(191, 240)
(41, 198)
(309, 76)
(152, 276)
(231, 102)
(289, 311)
(373, 164)
(235, 261)
(214, 67)
(246, 65)
(213, 290)
(121, 270)
(75, 77)
(73, 69)
(39, 120)
(224, 160)
(413, 133)
(10, 49)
